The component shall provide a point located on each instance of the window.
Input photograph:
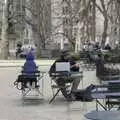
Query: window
(115, 30)
(64, 0)
(65, 32)
(65, 21)
(65, 10)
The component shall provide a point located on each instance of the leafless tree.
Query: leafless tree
(40, 21)
(76, 13)
(37, 17)
(103, 7)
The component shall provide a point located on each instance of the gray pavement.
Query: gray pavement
(18, 63)
(14, 107)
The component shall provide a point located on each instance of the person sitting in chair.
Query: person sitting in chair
(29, 65)
(29, 70)
(73, 68)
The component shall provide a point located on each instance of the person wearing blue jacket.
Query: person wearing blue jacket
(30, 68)
(29, 65)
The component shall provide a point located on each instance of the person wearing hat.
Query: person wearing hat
(63, 58)
(73, 68)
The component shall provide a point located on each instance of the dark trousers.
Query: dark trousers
(27, 79)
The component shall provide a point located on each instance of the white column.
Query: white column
(61, 44)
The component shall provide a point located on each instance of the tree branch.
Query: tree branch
(108, 4)
(99, 8)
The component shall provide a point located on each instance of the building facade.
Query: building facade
(30, 22)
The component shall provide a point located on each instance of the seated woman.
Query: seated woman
(29, 65)
(29, 71)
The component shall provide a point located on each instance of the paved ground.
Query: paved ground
(17, 63)
(13, 107)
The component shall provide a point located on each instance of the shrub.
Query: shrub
(112, 56)
(75, 56)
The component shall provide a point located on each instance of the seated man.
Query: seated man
(60, 80)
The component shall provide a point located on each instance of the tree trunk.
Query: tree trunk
(4, 35)
(38, 48)
(94, 21)
(104, 34)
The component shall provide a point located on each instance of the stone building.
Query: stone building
(15, 22)
(23, 22)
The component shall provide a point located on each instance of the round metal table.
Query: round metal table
(103, 115)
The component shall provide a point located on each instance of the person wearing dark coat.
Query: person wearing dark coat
(99, 65)
(73, 68)
(107, 47)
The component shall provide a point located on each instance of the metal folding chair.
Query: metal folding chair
(63, 77)
(27, 83)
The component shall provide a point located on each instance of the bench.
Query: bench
(110, 93)
(112, 101)
(109, 77)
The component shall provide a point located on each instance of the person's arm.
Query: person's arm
(75, 65)
(52, 69)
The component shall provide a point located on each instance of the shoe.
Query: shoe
(73, 97)
(70, 98)
(37, 86)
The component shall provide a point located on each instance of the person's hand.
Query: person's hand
(75, 65)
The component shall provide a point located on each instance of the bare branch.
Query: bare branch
(29, 9)
(99, 8)
(103, 5)
(108, 4)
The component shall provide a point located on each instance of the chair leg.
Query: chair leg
(54, 96)
(37, 90)
(24, 92)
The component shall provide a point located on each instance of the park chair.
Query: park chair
(110, 93)
(29, 76)
(63, 79)
(28, 82)
(59, 79)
